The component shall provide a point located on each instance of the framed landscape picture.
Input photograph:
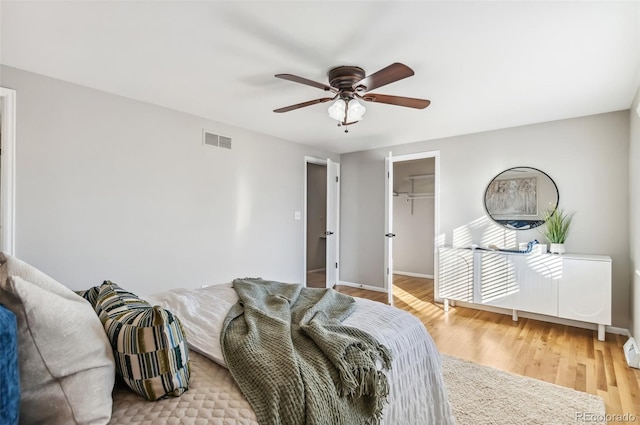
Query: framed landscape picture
(507, 198)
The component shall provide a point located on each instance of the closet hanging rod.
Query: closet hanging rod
(414, 195)
(411, 198)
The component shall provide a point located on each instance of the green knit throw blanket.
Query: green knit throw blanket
(296, 363)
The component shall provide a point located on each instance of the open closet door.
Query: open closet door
(333, 225)
(388, 225)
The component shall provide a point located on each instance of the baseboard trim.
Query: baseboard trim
(618, 331)
(412, 274)
(543, 318)
(361, 286)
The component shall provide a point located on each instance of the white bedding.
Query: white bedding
(417, 392)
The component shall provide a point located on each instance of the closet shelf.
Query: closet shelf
(411, 195)
(420, 177)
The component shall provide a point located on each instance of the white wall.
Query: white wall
(112, 188)
(587, 157)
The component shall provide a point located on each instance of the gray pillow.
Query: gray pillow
(67, 370)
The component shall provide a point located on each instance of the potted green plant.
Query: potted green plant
(556, 230)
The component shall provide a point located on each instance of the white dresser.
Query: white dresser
(569, 286)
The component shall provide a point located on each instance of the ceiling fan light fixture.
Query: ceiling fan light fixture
(336, 110)
(354, 111)
(347, 83)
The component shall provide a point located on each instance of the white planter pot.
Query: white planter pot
(556, 248)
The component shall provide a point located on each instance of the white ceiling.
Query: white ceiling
(484, 65)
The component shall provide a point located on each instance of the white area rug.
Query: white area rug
(481, 395)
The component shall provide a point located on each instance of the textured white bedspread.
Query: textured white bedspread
(417, 391)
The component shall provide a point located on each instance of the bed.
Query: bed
(67, 358)
(417, 391)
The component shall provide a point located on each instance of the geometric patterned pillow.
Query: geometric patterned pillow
(148, 342)
(90, 295)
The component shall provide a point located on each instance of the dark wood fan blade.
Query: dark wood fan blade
(303, 104)
(409, 102)
(392, 73)
(308, 82)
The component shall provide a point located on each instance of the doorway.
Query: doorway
(316, 208)
(411, 218)
(321, 229)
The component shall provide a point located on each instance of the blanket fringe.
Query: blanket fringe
(366, 379)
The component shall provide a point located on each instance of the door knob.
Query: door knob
(390, 235)
(328, 233)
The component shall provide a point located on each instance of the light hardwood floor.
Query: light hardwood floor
(563, 355)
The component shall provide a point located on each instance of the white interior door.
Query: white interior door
(7, 169)
(333, 224)
(388, 225)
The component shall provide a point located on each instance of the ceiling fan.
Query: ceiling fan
(349, 83)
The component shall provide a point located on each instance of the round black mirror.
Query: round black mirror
(518, 198)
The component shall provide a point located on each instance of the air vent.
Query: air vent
(210, 139)
(215, 140)
(224, 142)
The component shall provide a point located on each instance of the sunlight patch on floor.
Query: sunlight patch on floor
(410, 299)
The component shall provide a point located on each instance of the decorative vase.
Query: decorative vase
(556, 248)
